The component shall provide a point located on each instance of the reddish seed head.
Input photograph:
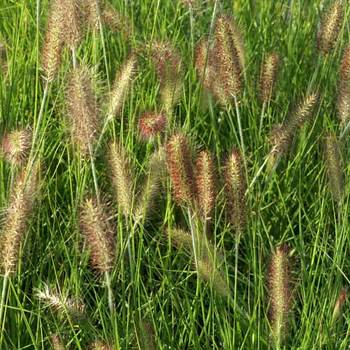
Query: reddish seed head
(151, 124)
(339, 304)
(268, 76)
(179, 161)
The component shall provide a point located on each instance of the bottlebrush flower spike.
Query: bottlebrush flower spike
(279, 281)
(61, 304)
(72, 22)
(205, 184)
(180, 239)
(100, 345)
(56, 342)
(82, 109)
(151, 124)
(121, 86)
(92, 12)
(268, 77)
(343, 102)
(16, 146)
(116, 21)
(121, 173)
(168, 63)
(16, 217)
(53, 42)
(99, 234)
(235, 187)
(151, 186)
(338, 307)
(334, 167)
(330, 27)
(228, 57)
(179, 161)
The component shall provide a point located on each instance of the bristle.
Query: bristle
(115, 20)
(56, 342)
(61, 304)
(168, 63)
(99, 234)
(202, 63)
(53, 42)
(304, 112)
(17, 214)
(72, 26)
(151, 124)
(151, 186)
(227, 59)
(334, 167)
(122, 176)
(179, 161)
(330, 27)
(235, 187)
(205, 184)
(100, 345)
(82, 109)
(338, 307)
(121, 86)
(92, 10)
(343, 101)
(268, 77)
(279, 281)
(16, 146)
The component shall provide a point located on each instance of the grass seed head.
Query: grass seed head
(338, 307)
(98, 231)
(16, 218)
(53, 42)
(235, 188)
(330, 27)
(203, 64)
(72, 22)
(279, 281)
(116, 21)
(56, 342)
(91, 10)
(343, 100)
(334, 166)
(180, 239)
(100, 345)
(82, 109)
(205, 184)
(268, 77)
(304, 112)
(121, 172)
(121, 86)
(179, 162)
(16, 146)
(152, 124)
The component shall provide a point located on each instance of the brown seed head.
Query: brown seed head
(72, 22)
(100, 345)
(179, 161)
(279, 292)
(122, 176)
(16, 146)
(121, 86)
(16, 218)
(303, 113)
(330, 27)
(116, 21)
(92, 10)
(99, 234)
(82, 109)
(180, 239)
(235, 187)
(53, 42)
(205, 184)
(268, 76)
(151, 124)
(338, 307)
(334, 167)
(343, 101)
(56, 342)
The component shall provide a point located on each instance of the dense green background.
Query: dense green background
(294, 207)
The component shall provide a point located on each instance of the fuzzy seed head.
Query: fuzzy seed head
(179, 162)
(304, 112)
(116, 21)
(16, 218)
(53, 42)
(82, 110)
(72, 18)
(343, 101)
(16, 146)
(121, 86)
(330, 27)
(228, 57)
(61, 304)
(91, 10)
(268, 77)
(338, 307)
(151, 124)
(334, 167)
(100, 345)
(180, 239)
(151, 186)
(235, 188)
(279, 293)
(56, 342)
(205, 184)
(121, 173)
(98, 232)
(202, 63)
